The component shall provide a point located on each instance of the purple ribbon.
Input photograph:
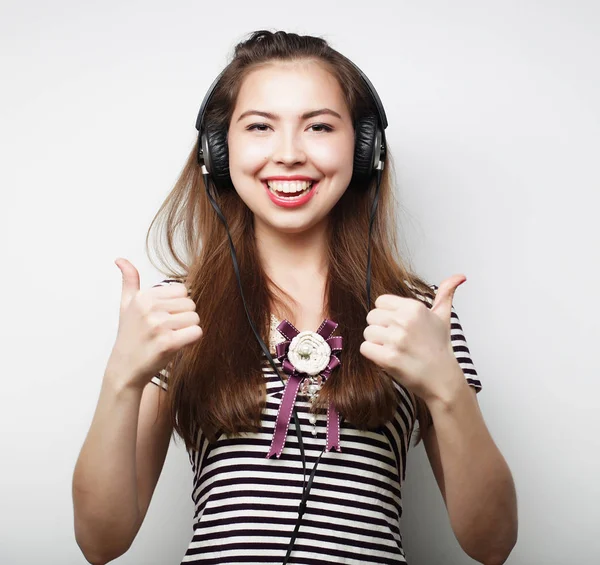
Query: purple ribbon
(292, 385)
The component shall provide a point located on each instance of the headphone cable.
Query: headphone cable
(305, 486)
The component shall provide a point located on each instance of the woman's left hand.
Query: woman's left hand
(411, 341)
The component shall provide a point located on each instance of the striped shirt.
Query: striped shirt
(246, 506)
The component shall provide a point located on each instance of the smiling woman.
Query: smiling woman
(294, 196)
(291, 139)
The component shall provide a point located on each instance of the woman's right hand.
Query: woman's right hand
(153, 325)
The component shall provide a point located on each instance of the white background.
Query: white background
(494, 122)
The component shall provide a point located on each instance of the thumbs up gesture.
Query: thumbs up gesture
(153, 325)
(411, 341)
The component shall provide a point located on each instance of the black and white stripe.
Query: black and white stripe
(247, 505)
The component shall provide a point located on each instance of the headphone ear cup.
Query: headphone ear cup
(365, 135)
(218, 156)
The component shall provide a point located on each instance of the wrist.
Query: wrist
(120, 380)
(451, 385)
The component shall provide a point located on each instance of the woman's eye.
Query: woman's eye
(256, 126)
(325, 126)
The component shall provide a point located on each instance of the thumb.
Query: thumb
(442, 304)
(131, 280)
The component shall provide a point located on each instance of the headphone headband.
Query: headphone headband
(369, 133)
(380, 110)
(207, 98)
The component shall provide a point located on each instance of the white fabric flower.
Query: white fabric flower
(309, 353)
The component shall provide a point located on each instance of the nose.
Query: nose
(288, 149)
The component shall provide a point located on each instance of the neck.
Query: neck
(293, 257)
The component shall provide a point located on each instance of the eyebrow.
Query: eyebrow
(305, 116)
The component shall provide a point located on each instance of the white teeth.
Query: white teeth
(289, 186)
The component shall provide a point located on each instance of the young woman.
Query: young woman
(362, 378)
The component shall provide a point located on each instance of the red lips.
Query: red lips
(290, 201)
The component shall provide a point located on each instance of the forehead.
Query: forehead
(286, 87)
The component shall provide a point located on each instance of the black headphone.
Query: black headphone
(369, 159)
(369, 150)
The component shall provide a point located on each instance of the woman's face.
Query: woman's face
(289, 142)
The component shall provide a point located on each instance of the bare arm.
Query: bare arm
(473, 476)
(118, 467)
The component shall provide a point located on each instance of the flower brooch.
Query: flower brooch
(308, 358)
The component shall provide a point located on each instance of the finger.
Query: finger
(380, 335)
(170, 289)
(176, 305)
(131, 280)
(186, 335)
(182, 320)
(381, 317)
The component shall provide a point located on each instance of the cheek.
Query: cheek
(245, 157)
(335, 160)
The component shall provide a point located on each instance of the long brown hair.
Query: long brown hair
(217, 383)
